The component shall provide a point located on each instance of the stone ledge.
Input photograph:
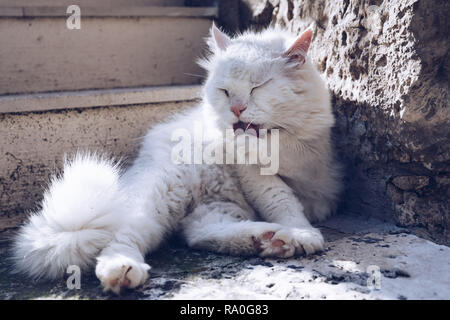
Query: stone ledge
(97, 98)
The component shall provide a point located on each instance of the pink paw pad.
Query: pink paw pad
(124, 282)
(278, 243)
(268, 235)
(275, 243)
(266, 241)
(257, 241)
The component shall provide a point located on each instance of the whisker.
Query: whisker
(195, 75)
(283, 127)
(138, 138)
(249, 124)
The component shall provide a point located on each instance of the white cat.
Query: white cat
(95, 212)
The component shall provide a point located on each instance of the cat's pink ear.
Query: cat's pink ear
(221, 40)
(298, 51)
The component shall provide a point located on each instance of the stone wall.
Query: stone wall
(386, 63)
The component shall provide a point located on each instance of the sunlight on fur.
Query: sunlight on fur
(96, 215)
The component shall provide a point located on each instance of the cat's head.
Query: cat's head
(265, 80)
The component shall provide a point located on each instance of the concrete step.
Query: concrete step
(34, 140)
(116, 47)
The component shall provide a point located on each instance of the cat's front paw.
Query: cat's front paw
(305, 241)
(116, 273)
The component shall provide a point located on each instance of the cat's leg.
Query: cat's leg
(153, 210)
(312, 173)
(121, 264)
(224, 227)
(277, 203)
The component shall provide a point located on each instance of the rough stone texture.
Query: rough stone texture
(32, 146)
(387, 64)
(354, 246)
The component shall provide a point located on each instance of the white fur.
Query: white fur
(215, 207)
(73, 225)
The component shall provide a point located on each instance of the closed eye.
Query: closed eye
(260, 85)
(224, 91)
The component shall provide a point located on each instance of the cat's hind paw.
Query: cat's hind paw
(289, 241)
(270, 246)
(121, 272)
(305, 241)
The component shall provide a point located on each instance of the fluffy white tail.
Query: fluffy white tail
(78, 217)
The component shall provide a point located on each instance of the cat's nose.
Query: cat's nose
(237, 109)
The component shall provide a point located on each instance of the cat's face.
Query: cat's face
(240, 89)
(254, 82)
